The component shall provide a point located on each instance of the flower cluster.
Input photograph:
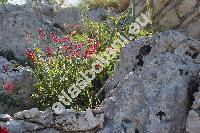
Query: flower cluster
(57, 64)
(48, 51)
(31, 55)
(8, 87)
(56, 39)
(41, 33)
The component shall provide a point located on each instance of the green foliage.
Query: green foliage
(59, 71)
(3, 1)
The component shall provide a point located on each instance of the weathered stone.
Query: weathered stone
(180, 15)
(18, 20)
(97, 14)
(186, 7)
(170, 20)
(193, 29)
(21, 126)
(149, 88)
(48, 130)
(158, 5)
(193, 122)
(22, 81)
(79, 121)
(70, 15)
(46, 118)
(32, 113)
(196, 103)
(5, 117)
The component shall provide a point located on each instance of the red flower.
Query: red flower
(41, 33)
(67, 48)
(3, 130)
(97, 43)
(90, 51)
(52, 35)
(89, 40)
(30, 55)
(79, 46)
(48, 51)
(56, 40)
(5, 68)
(8, 87)
(76, 53)
(97, 66)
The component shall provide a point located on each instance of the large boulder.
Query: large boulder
(17, 21)
(149, 89)
(47, 122)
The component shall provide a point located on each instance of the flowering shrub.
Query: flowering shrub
(57, 66)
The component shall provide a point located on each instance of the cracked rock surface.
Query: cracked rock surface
(149, 89)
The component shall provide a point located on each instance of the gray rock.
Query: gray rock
(79, 121)
(186, 6)
(193, 122)
(21, 126)
(98, 14)
(48, 130)
(18, 20)
(193, 119)
(170, 20)
(45, 118)
(149, 88)
(32, 113)
(22, 81)
(5, 117)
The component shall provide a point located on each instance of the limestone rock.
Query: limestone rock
(32, 113)
(196, 103)
(45, 118)
(151, 91)
(149, 88)
(37, 121)
(21, 126)
(97, 14)
(70, 15)
(193, 122)
(170, 20)
(194, 29)
(181, 15)
(186, 6)
(16, 21)
(79, 121)
(5, 117)
(22, 81)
